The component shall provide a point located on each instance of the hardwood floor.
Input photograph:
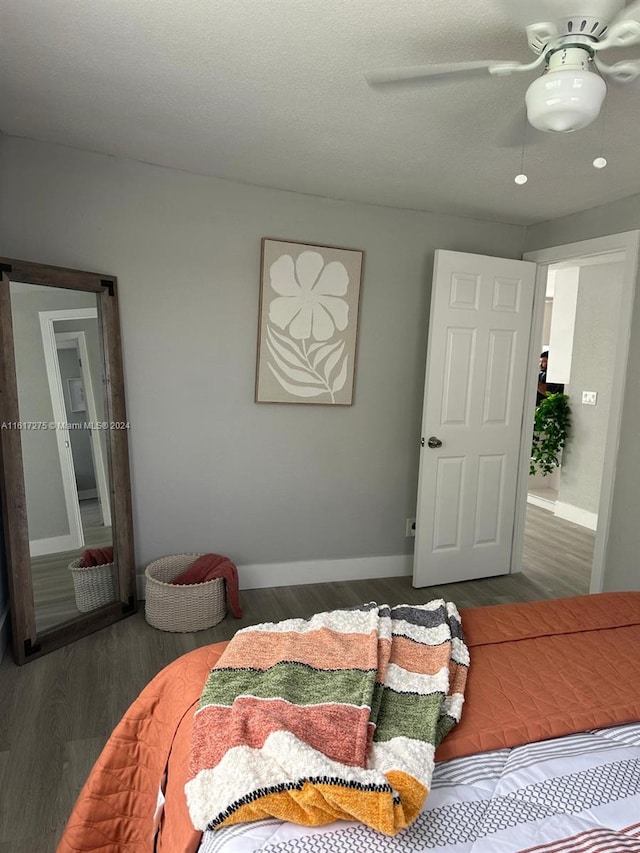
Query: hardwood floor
(57, 712)
(557, 553)
(53, 593)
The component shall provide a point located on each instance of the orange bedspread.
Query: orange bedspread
(548, 668)
(115, 810)
(538, 670)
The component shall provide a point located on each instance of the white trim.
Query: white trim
(526, 436)
(100, 471)
(260, 575)
(627, 242)
(96, 444)
(544, 503)
(264, 575)
(60, 416)
(592, 260)
(4, 631)
(577, 515)
(52, 545)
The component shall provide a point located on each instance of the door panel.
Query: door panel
(498, 390)
(459, 361)
(489, 499)
(450, 476)
(481, 311)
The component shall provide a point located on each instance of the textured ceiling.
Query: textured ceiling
(272, 92)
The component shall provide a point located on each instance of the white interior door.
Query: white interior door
(479, 329)
(78, 341)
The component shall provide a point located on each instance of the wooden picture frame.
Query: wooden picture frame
(308, 323)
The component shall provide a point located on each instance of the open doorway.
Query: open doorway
(69, 341)
(591, 361)
(579, 337)
(86, 445)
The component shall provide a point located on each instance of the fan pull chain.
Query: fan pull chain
(522, 178)
(601, 161)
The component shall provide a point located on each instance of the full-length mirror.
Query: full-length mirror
(66, 506)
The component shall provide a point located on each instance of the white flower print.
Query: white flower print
(307, 357)
(309, 291)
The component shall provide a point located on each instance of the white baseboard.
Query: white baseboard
(87, 494)
(578, 516)
(262, 575)
(4, 631)
(545, 503)
(39, 547)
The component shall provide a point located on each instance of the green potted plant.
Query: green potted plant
(551, 428)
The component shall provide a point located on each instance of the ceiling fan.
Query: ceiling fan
(567, 37)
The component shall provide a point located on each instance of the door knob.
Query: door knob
(434, 442)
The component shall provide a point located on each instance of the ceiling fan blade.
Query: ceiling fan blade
(526, 12)
(418, 73)
(629, 13)
(621, 72)
(624, 30)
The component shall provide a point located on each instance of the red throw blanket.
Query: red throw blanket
(211, 566)
(96, 557)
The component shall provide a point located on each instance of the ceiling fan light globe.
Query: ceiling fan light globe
(565, 100)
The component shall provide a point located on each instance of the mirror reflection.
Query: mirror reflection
(60, 370)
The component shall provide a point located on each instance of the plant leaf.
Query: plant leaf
(341, 378)
(297, 390)
(323, 352)
(292, 372)
(333, 359)
(551, 429)
(294, 358)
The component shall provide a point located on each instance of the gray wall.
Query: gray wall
(592, 367)
(622, 561)
(211, 469)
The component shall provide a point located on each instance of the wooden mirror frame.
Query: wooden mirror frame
(27, 642)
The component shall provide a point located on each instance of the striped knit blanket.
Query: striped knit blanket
(334, 717)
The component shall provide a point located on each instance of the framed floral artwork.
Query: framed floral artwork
(308, 323)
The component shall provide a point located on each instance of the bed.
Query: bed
(545, 758)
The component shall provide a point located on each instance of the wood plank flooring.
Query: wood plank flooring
(557, 554)
(53, 593)
(57, 712)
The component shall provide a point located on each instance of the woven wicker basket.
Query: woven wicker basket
(94, 586)
(181, 607)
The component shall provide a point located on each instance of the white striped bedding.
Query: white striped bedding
(576, 794)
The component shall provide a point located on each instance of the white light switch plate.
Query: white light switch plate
(589, 398)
